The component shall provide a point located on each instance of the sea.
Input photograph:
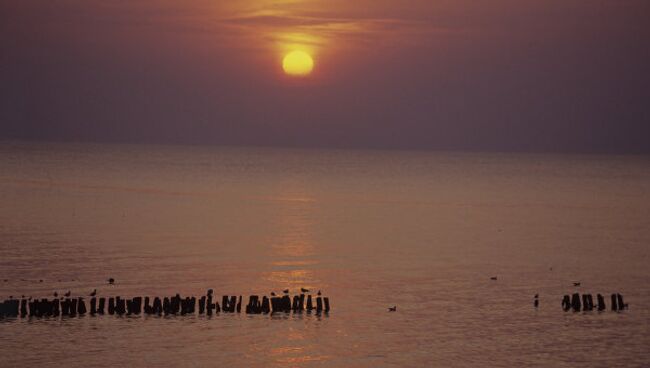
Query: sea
(459, 242)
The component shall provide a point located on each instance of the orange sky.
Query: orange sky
(502, 74)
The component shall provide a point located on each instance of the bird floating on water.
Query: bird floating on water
(111, 281)
(576, 284)
(304, 290)
(392, 309)
(493, 278)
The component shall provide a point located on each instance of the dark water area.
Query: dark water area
(421, 230)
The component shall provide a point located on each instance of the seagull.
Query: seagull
(319, 294)
(304, 290)
(576, 284)
(286, 291)
(111, 281)
(68, 293)
(272, 293)
(493, 278)
(93, 293)
(56, 295)
(40, 280)
(392, 309)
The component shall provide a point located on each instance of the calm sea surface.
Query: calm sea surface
(371, 229)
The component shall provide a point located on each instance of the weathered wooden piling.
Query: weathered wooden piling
(566, 303)
(614, 302)
(120, 305)
(266, 308)
(286, 304)
(239, 304)
(295, 304)
(111, 306)
(587, 302)
(157, 306)
(575, 302)
(253, 305)
(23, 308)
(147, 306)
(319, 304)
(301, 302)
(73, 307)
(81, 306)
(327, 304)
(601, 302)
(619, 299)
(56, 307)
(310, 306)
(100, 306)
(93, 305)
(202, 305)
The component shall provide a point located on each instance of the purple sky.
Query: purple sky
(569, 75)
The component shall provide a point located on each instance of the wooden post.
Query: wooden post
(157, 306)
(23, 308)
(614, 302)
(100, 307)
(310, 306)
(621, 305)
(585, 302)
(81, 304)
(239, 305)
(266, 308)
(327, 304)
(575, 302)
(319, 304)
(93, 305)
(111, 306)
(301, 304)
(601, 302)
(73, 307)
(147, 306)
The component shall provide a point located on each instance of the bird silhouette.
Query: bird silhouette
(68, 293)
(576, 284)
(286, 291)
(111, 281)
(392, 309)
(319, 294)
(56, 295)
(272, 293)
(93, 293)
(493, 278)
(304, 290)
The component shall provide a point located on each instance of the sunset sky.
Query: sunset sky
(523, 75)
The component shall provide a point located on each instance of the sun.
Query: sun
(298, 63)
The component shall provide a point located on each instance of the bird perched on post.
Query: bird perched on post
(318, 293)
(93, 293)
(68, 293)
(56, 295)
(493, 278)
(111, 281)
(272, 293)
(304, 290)
(576, 284)
(286, 291)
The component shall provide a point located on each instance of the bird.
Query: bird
(6, 280)
(56, 295)
(210, 291)
(68, 293)
(576, 284)
(93, 293)
(392, 309)
(286, 291)
(272, 293)
(493, 278)
(111, 281)
(304, 290)
(319, 294)
(40, 280)
(536, 302)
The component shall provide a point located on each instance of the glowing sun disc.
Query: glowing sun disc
(298, 63)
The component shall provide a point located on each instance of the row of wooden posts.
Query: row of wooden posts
(175, 305)
(586, 303)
